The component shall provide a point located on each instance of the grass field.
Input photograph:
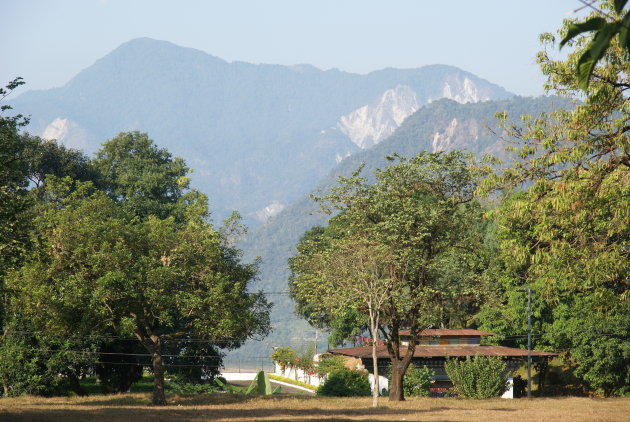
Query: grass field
(133, 407)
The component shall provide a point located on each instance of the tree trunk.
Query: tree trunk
(159, 399)
(5, 387)
(541, 368)
(153, 344)
(396, 392)
(399, 368)
(75, 384)
(376, 389)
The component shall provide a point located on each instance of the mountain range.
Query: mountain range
(258, 136)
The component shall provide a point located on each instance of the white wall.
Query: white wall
(383, 382)
(299, 375)
(509, 393)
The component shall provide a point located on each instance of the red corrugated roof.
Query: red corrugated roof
(446, 332)
(441, 351)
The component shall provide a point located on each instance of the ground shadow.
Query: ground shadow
(192, 414)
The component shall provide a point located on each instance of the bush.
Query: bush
(330, 363)
(187, 388)
(417, 381)
(481, 377)
(284, 357)
(345, 383)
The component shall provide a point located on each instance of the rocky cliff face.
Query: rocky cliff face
(68, 133)
(370, 124)
(463, 90)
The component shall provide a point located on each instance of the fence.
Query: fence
(251, 364)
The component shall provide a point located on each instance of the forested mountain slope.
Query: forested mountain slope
(258, 136)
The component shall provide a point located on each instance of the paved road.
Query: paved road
(285, 388)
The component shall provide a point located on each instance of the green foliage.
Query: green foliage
(146, 180)
(408, 249)
(47, 157)
(566, 235)
(178, 386)
(480, 377)
(604, 33)
(598, 343)
(284, 357)
(35, 363)
(14, 202)
(194, 362)
(417, 381)
(330, 363)
(345, 383)
(141, 261)
(123, 369)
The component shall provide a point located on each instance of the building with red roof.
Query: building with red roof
(434, 346)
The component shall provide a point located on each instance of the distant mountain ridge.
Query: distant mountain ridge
(258, 136)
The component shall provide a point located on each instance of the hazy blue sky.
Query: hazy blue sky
(48, 42)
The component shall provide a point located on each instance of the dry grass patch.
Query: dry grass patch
(234, 408)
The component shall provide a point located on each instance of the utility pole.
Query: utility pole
(529, 343)
(529, 340)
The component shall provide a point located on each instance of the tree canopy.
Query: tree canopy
(389, 249)
(131, 254)
(565, 234)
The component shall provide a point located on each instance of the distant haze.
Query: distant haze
(48, 42)
(257, 136)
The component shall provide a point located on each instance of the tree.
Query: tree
(139, 259)
(566, 234)
(605, 28)
(100, 269)
(32, 361)
(284, 357)
(391, 247)
(145, 179)
(350, 273)
(14, 201)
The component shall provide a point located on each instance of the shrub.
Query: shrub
(417, 381)
(284, 357)
(481, 377)
(187, 388)
(330, 363)
(345, 383)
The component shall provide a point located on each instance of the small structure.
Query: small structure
(434, 346)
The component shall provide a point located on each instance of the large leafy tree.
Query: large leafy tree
(609, 23)
(14, 201)
(138, 259)
(144, 179)
(30, 362)
(392, 247)
(566, 235)
(350, 273)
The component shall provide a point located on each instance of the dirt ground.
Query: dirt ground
(234, 408)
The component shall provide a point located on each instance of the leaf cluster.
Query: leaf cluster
(479, 377)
